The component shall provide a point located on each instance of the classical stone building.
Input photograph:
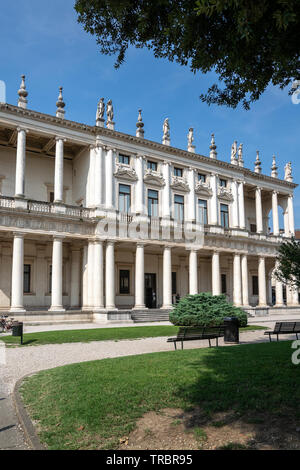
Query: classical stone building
(97, 224)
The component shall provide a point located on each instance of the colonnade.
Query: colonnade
(98, 296)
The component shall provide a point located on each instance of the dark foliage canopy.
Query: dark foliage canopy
(205, 310)
(248, 43)
(288, 270)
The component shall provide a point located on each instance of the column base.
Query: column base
(167, 307)
(57, 309)
(111, 309)
(98, 309)
(17, 310)
(140, 307)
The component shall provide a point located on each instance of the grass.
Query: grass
(95, 404)
(97, 334)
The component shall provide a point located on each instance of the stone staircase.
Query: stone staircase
(153, 315)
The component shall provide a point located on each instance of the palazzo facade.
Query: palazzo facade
(99, 224)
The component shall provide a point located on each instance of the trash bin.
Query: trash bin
(231, 330)
(17, 330)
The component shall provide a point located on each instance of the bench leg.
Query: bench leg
(270, 338)
(175, 345)
(209, 342)
(181, 345)
(217, 342)
(297, 336)
(277, 338)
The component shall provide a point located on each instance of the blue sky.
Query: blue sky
(44, 41)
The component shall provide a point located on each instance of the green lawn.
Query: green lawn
(97, 334)
(92, 405)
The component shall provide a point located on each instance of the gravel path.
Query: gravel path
(23, 361)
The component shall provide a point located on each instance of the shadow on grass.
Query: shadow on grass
(258, 390)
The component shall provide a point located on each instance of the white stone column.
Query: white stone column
(57, 275)
(90, 274)
(241, 205)
(85, 278)
(98, 187)
(191, 196)
(167, 278)
(20, 163)
(216, 274)
(237, 280)
(262, 287)
(75, 277)
(98, 276)
(291, 215)
(279, 293)
(193, 272)
(17, 283)
(139, 201)
(275, 213)
(245, 281)
(59, 170)
(166, 212)
(259, 218)
(110, 276)
(139, 277)
(214, 206)
(235, 207)
(109, 178)
(286, 223)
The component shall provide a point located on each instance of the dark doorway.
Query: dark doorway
(150, 291)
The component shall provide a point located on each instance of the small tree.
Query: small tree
(288, 263)
(205, 310)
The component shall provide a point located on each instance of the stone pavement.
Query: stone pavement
(11, 434)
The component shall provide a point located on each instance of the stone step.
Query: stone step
(151, 316)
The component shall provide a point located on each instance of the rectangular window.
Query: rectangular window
(178, 172)
(27, 278)
(152, 203)
(223, 183)
(124, 281)
(224, 216)
(253, 228)
(151, 165)
(51, 196)
(224, 283)
(201, 177)
(125, 159)
(202, 211)
(179, 207)
(254, 285)
(124, 198)
(50, 279)
(174, 283)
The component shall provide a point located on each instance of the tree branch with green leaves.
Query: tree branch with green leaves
(249, 44)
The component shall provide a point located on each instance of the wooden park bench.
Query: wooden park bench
(188, 333)
(284, 328)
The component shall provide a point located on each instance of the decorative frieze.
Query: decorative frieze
(154, 177)
(225, 194)
(179, 183)
(125, 172)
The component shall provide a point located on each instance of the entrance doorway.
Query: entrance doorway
(150, 291)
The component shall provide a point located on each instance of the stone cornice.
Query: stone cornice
(100, 131)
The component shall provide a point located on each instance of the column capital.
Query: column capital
(110, 243)
(111, 148)
(22, 129)
(167, 162)
(58, 237)
(19, 234)
(59, 138)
